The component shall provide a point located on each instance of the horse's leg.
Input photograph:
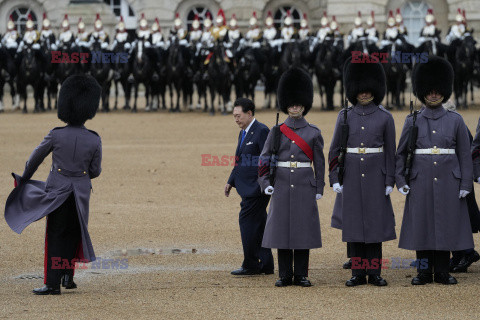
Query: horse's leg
(115, 83)
(471, 91)
(135, 97)
(147, 97)
(15, 95)
(212, 100)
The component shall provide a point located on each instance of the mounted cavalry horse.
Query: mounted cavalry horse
(177, 64)
(327, 70)
(219, 77)
(461, 55)
(102, 72)
(122, 70)
(8, 72)
(30, 72)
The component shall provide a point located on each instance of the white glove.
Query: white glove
(477, 180)
(318, 196)
(53, 46)
(463, 194)
(269, 190)
(147, 44)
(104, 45)
(337, 188)
(388, 190)
(127, 46)
(36, 46)
(404, 190)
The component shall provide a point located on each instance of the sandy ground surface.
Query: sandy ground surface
(158, 207)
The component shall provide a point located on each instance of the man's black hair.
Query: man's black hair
(246, 104)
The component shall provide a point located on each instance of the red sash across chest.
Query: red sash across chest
(290, 134)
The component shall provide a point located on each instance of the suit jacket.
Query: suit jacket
(245, 173)
(76, 159)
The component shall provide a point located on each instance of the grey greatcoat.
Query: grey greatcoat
(434, 217)
(76, 158)
(476, 153)
(362, 211)
(293, 221)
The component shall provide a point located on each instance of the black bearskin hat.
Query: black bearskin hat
(364, 77)
(78, 99)
(436, 74)
(295, 87)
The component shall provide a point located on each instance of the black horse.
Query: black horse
(122, 69)
(8, 72)
(30, 73)
(463, 66)
(395, 74)
(176, 74)
(50, 81)
(327, 72)
(219, 77)
(247, 74)
(102, 72)
(200, 76)
(270, 72)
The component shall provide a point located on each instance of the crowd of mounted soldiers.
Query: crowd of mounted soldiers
(212, 57)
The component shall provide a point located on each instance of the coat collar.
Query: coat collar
(364, 110)
(434, 113)
(294, 124)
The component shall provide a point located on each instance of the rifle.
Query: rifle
(343, 144)
(274, 152)
(412, 141)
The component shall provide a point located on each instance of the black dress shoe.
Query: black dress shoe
(422, 278)
(348, 264)
(356, 281)
(445, 278)
(243, 272)
(67, 282)
(302, 282)
(46, 290)
(283, 282)
(377, 281)
(465, 262)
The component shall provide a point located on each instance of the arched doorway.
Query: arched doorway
(281, 12)
(123, 8)
(201, 11)
(20, 17)
(413, 17)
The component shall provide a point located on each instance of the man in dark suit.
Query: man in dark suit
(253, 213)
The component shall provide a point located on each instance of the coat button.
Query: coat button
(361, 159)
(293, 141)
(291, 170)
(363, 175)
(434, 131)
(363, 128)
(59, 170)
(361, 144)
(291, 186)
(435, 179)
(84, 172)
(292, 156)
(435, 163)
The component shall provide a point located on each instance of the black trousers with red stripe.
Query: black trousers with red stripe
(62, 239)
(287, 258)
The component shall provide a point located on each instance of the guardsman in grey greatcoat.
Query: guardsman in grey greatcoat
(435, 219)
(64, 197)
(293, 224)
(362, 171)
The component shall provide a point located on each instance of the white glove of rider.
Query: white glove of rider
(104, 45)
(388, 190)
(477, 180)
(337, 188)
(269, 190)
(404, 190)
(36, 46)
(147, 44)
(127, 46)
(318, 196)
(463, 194)
(54, 46)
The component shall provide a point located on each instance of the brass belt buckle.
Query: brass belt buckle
(361, 150)
(293, 164)
(435, 151)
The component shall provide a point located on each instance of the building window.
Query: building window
(414, 13)
(202, 13)
(281, 13)
(20, 17)
(122, 8)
